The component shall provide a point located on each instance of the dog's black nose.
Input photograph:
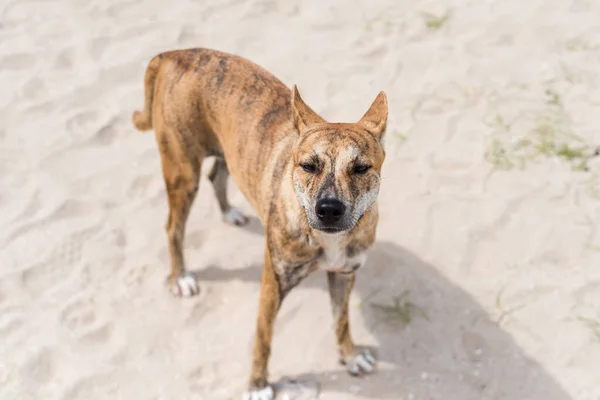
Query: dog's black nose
(330, 210)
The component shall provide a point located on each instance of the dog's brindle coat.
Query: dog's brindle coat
(284, 158)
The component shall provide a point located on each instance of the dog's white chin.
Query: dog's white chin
(336, 233)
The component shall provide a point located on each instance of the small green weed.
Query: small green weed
(434, 22)
(550, 136)
(402, 308)
(592, 324)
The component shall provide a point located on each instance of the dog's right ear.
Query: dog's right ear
(302, 115)
(375, 119)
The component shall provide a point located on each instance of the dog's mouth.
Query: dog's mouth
(330, 230)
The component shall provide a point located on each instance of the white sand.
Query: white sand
(503, 263)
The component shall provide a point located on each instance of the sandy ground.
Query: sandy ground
(505, 264)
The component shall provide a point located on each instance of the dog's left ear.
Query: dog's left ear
(302, 115)
(375, 119)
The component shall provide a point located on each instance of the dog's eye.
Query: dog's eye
(361, 169)
(308, 167)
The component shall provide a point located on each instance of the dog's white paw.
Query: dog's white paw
(266, 393)
(235, 217)
(185, 285)
(360, 364)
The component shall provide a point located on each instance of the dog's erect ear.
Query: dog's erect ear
(375, 119)
(302, 115)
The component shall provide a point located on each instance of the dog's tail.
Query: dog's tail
(143, 120)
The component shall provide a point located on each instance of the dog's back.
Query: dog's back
(219, 104)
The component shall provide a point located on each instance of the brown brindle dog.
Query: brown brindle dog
(313, 184)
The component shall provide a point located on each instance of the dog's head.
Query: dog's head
(337, 166)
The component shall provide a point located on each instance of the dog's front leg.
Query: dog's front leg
(356, 362)
(270, 300)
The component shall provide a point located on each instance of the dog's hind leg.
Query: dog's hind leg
(219, 176)
(182, 174)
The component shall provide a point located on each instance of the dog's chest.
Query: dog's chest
(335, 253)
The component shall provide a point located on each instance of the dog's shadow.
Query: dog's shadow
(434, 341)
